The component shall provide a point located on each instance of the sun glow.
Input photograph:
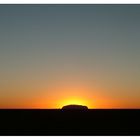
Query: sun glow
(67, 96)
(73, 101)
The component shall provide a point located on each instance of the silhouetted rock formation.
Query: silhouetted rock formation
(77, 107)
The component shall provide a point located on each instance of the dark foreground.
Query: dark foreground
(70, 122)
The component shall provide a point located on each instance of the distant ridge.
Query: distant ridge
(74, 107)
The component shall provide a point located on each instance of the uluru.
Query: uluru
(74, 107)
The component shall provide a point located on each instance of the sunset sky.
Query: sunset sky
(54, 55)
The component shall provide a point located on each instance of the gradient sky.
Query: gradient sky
(53, 55)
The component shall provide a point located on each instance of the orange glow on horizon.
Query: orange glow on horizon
(73, 100)
(67, 97)
(56, 98)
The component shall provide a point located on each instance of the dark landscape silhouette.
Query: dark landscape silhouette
(70, 122)
(71, 107)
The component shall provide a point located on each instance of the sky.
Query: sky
(54, 55)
